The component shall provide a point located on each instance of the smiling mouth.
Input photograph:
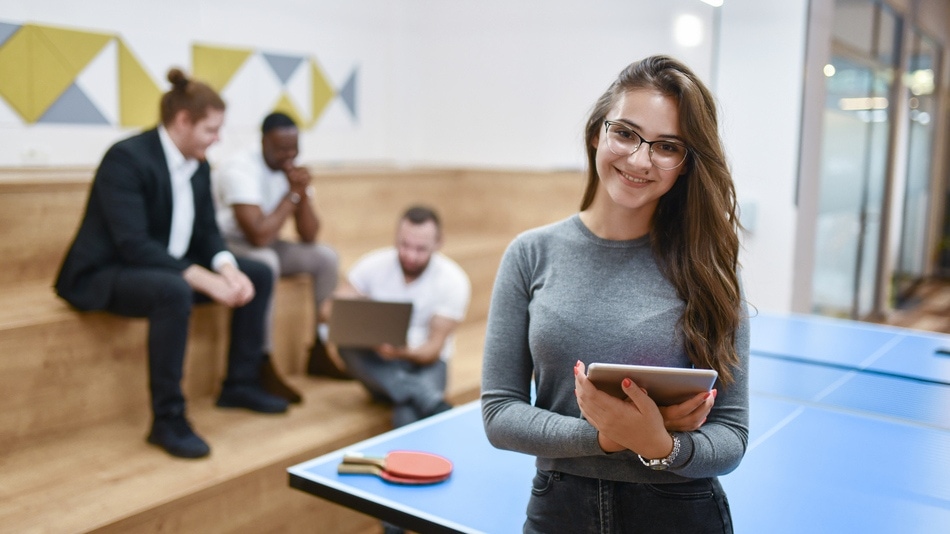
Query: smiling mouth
(631, 179)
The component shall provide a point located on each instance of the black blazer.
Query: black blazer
(128, 221)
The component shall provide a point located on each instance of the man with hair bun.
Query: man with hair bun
(148, 246)
(257, 192)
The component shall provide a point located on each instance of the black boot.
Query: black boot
(251, 397)
(174, 434)
(320, 363)
(275, 385)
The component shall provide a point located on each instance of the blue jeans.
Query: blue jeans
(568, 503)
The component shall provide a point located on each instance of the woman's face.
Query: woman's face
(633, 182)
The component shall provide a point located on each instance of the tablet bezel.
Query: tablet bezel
(665, 385)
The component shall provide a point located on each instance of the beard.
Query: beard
(413, 271)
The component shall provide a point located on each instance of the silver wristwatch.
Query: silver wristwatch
(663, 463)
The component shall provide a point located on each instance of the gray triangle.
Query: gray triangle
(348, 93)
(74, 107)
(6, 31)
(283, 66)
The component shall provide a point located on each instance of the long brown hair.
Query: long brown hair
(188, 94)
(694, 232)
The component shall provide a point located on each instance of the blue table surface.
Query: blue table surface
(823, 470)
(857, 345)
(846, 435)
(487, 491)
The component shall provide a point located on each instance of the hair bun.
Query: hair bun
(178, 78)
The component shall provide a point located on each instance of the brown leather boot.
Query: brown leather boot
(274, 385)
(320, 363)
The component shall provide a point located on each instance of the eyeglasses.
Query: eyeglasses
(664, 154)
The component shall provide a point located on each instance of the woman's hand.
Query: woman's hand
(634, 424)
(690, 414)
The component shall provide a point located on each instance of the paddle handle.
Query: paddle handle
(358, 469)
(360, 458)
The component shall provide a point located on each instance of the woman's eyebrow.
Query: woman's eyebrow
(634, 126)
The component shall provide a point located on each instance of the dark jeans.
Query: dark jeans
(567, 503)
(414, 390)
(165, 299)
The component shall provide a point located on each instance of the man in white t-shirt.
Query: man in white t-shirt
(257, 191)
(413, 377)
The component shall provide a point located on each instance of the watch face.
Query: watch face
(660, 464)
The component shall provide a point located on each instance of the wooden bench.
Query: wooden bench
(74, 412)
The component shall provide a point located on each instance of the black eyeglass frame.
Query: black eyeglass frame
(608, 123)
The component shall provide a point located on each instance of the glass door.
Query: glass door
(916, 209)
(855, 147)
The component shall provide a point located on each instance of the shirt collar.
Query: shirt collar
(176, 160)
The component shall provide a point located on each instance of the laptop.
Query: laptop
(365, 323)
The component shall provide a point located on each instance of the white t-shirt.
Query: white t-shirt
(442, 289)
(246, 179)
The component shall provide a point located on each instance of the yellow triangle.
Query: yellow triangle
(285, 105)
(16, 74)
(216, 66)
(323, 92)
(74, 49)
(38, 63)
(139, 96)
(58, 56)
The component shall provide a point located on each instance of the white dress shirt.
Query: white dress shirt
(181, 170)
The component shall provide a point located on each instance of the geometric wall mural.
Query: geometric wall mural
(255, 83)
(58, 75)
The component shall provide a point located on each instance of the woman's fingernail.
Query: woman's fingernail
(627, 382)
(708, 393)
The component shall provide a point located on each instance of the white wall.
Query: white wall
(483, 83)
(467, 82)
(759, 84)
(510, 83)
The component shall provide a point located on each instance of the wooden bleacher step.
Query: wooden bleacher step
(74, 413)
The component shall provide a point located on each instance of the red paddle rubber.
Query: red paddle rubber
(369, 469)
(407, 464)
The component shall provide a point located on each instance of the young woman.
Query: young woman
(645, 274)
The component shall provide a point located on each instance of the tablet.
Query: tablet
(365, 323)
(665, 385)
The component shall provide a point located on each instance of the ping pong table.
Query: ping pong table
(849, 432)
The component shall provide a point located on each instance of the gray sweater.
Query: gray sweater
(563, 294)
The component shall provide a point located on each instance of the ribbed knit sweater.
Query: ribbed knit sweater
(563, 294)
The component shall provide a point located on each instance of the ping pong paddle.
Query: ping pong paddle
(372, 469)
(405, 464)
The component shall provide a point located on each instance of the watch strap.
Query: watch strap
(660, 464)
